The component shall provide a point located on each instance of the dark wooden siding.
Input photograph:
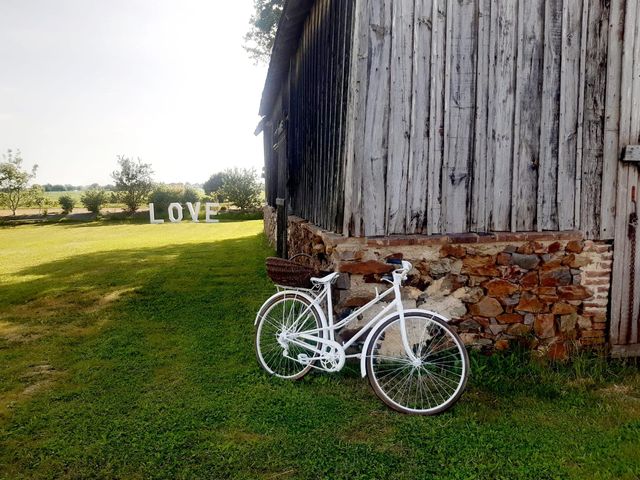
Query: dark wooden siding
(314, 115)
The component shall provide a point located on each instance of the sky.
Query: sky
(82, 81)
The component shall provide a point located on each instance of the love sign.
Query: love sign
(176, 213)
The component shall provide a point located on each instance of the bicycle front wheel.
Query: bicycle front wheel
(285, 314)
(432, 383)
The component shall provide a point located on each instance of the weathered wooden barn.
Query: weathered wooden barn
(429, 122)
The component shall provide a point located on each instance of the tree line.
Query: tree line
(133, 187)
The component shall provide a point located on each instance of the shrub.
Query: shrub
(189, 194)
(93, 200)
(241, 187)
(161, 196)
(132, 182)
(66, 203)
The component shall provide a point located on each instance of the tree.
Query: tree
(93, 200)
(213, 186)
(67, 203)
(258, 42)
(14, 180)
(241, 187)
(133, 182)
(37, 198)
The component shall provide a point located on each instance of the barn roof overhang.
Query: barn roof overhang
(290, 29)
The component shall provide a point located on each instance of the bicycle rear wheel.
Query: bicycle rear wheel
(285, 313)
(426, 387)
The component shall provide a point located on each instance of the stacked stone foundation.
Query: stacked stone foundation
(547, 291)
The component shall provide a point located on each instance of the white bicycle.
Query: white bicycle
(415, 362)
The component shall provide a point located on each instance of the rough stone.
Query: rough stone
(503, 258)
(365, 268)
(487, 307)
(529, 319)
(500, 288)
(584, 322)
(469, 294)
(554, 247)
(574, 292)
(557, 351)
(562, 309)
(576, 261)
(482, 265)
(440, 268)
(568, 323)
(527, 262)
(510, 318)
(502, 344)
(526, 248)
(496, 329)
(544, 325)
(448, 306)
(555, 277)
(518, 329)
(453, 251)
(469, 326)
(530, 280)
(510, 301)
(410, 293)
(530, 303)
(574, 246)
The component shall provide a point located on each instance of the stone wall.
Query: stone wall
(545, 290)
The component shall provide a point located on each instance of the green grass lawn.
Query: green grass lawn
(126, 351)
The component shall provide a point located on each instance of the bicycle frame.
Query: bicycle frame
(327, 331)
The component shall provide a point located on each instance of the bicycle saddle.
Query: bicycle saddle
(328, 279)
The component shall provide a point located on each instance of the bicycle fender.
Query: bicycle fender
(408, 311)
(323, 318)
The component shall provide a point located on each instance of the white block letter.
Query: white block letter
(209, 212)
(173, 208)
(194, 211)
(152, 217)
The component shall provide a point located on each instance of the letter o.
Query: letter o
(173, 209)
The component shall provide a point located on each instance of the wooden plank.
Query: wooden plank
(460, 95)
(620, 325)
(568, 123)
(593, 124)
(478, 203)
(528, 115)
(420, 103)
(399, 115)
(547, 218)
(436, 118)
(577, 205)
(623, 351)
(376, 119)
(631, 153)
(501, 112)
(356, 119)
(612, 122)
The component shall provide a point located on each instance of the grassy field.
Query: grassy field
(126, 351)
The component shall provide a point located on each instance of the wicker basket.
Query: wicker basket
(291, 273)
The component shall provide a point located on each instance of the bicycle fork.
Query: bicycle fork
(416, 361)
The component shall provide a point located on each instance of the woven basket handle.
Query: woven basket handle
(301, 255)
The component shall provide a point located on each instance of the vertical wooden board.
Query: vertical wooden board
(399, 115)
(356, 120)
(478, 185)
(568, 122)
(459, 127)
(620, 291)
(529, 110)
(501, 115)
(547, 207)
(595, 83)
(612, 121)
(376, 133)
(436, 117)
(420, 103)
